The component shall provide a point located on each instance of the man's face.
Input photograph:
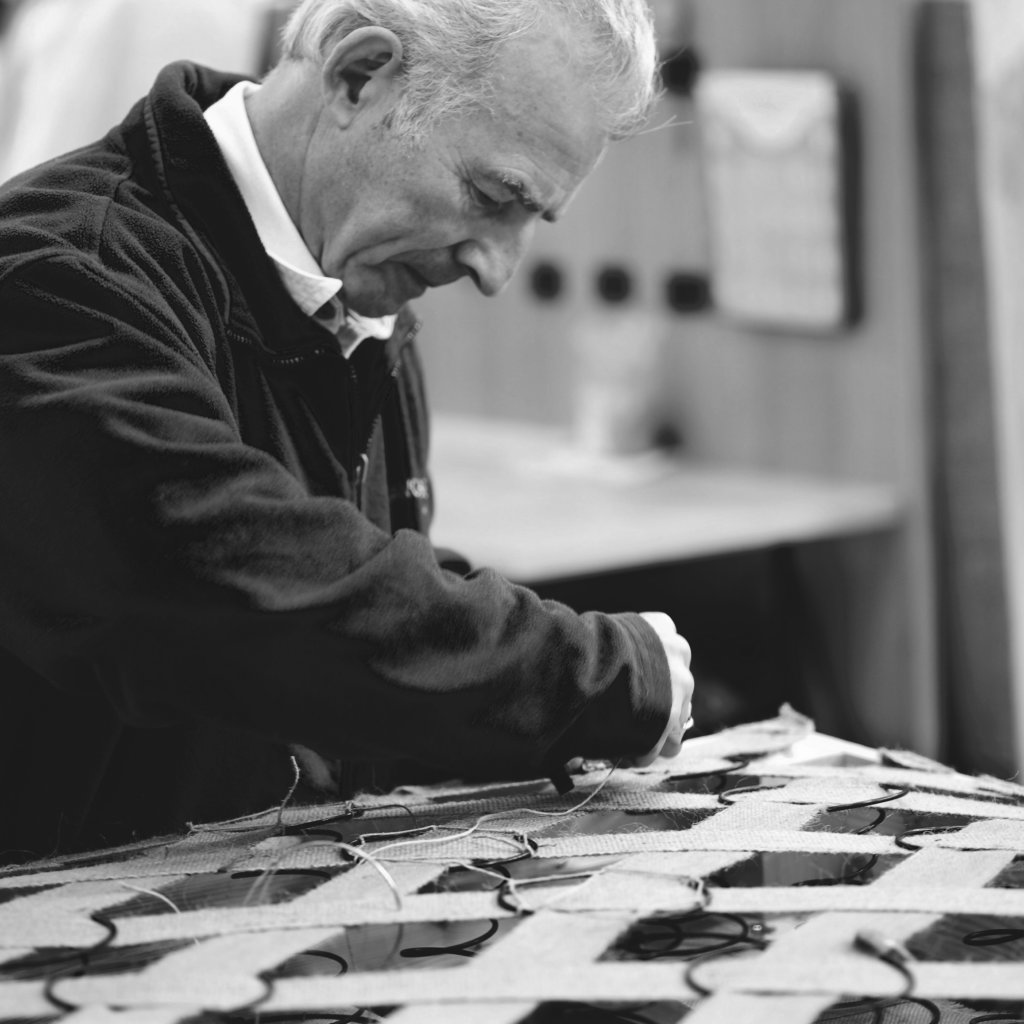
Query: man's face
(401, 217)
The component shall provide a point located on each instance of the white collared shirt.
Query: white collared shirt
(299, 271)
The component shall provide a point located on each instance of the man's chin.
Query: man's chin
(377, 302)
(374, 308)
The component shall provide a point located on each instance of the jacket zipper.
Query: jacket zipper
(361, 461)
(234, 335)
(277, 360)
(360, 479)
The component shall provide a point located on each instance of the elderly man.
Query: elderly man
(212, 426)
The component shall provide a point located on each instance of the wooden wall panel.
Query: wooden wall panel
(999, 58)
(970, 552)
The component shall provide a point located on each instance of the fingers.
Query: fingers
(678, 655)
(680, 722)
(666, 629)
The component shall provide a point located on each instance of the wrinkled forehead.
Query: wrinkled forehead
(545, 101)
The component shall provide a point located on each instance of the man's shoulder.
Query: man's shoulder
(115, 185)
(77, 204)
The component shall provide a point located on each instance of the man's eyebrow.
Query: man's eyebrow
(527, 198)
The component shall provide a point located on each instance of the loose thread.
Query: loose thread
(152, 892)
(262, 881)
(513, 885)
(335, 844)
(229, 824)
(477, 827)
(370, 859)
(702, 896)
(672, 122)
(296, 779)
(163, 899)
(572, 810)
(495, 834)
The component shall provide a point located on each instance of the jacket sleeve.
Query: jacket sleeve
(151, 556)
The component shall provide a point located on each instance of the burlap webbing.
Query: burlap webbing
(741, 826)
(866, 976)
(909, 900)
(764, 840)
(187, 863)
(828, 940)
(937, 868)
(464, 906)
(553, 953)
(219, 974)
(999, 981)
(70, 860)
(604, 893)
(832, 791)
(104, 1015)
(587, 983)
(609, 798)
(60, 917)
(686, 864)
(826, 790)
(24, 1000)
(950, 782)
(750, 740)
(825, 786)
(788, 807)
(994, 834)
(553, 942)
(453, 848)
(363, 884)
(733, 1007)
(941, 803)
(726, 1009)
(224, 994)
(469, 1013)
(611, 982)
(642, 884)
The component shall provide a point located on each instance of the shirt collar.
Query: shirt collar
(314, 293)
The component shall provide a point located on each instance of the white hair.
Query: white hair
(451, 47)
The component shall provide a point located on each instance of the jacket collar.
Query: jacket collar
(193, 175)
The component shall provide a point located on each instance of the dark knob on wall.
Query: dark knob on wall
(614, 284)
(687, 292)
(547, 281)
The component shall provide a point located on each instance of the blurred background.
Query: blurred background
(766, 375)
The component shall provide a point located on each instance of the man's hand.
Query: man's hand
(677, 650)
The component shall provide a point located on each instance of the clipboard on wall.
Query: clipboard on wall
(778, 170)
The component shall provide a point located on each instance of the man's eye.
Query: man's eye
(486, 202)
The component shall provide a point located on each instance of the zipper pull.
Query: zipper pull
(360, 479)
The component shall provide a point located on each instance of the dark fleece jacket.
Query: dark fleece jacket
(213, 526)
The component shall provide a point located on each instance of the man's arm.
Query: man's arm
(153, 556)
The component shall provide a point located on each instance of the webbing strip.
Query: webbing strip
(731, 1007)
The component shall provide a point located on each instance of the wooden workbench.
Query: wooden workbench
(520, 498)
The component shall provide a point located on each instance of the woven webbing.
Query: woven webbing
(557, 894)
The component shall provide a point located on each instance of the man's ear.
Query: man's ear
(362, 72)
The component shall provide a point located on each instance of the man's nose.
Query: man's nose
(492, 256)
